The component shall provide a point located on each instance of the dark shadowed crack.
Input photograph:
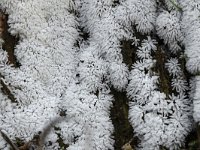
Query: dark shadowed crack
(123, 131)
(5, 89)
(128, 53)
(8, 45)
(9, 41)
(161, 58)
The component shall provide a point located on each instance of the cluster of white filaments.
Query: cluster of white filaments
(154, 116)
(62, 72)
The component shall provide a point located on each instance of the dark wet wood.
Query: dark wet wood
(9, 40)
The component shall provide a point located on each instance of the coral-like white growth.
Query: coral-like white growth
(55, 76)
(191, 30)
(48, 33)
(91, 124)
(142, 13)
(156, 119)
(179, 85)
(118, 74)
(178, 82)
(105, 35)
(169, 29)
(173, 67)
(196, 95)
(35, 106)
(48, 61)
(91, 69)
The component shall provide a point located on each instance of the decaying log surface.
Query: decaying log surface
(119, 112)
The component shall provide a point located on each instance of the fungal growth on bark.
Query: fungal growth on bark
(123, 74)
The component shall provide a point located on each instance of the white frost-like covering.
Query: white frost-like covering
(142, 13)
(35, 106)
(47, 56)
(97, 18)
(196, 98)
(169, 29)
(191, 30)
(91, 125)
(46, 81)
(56, 76)
(156, 119)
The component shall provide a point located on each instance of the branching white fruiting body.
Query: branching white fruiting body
(153, 116)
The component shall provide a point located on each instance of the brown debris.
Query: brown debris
(2, 21)
(128, 146)
(9, 41)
